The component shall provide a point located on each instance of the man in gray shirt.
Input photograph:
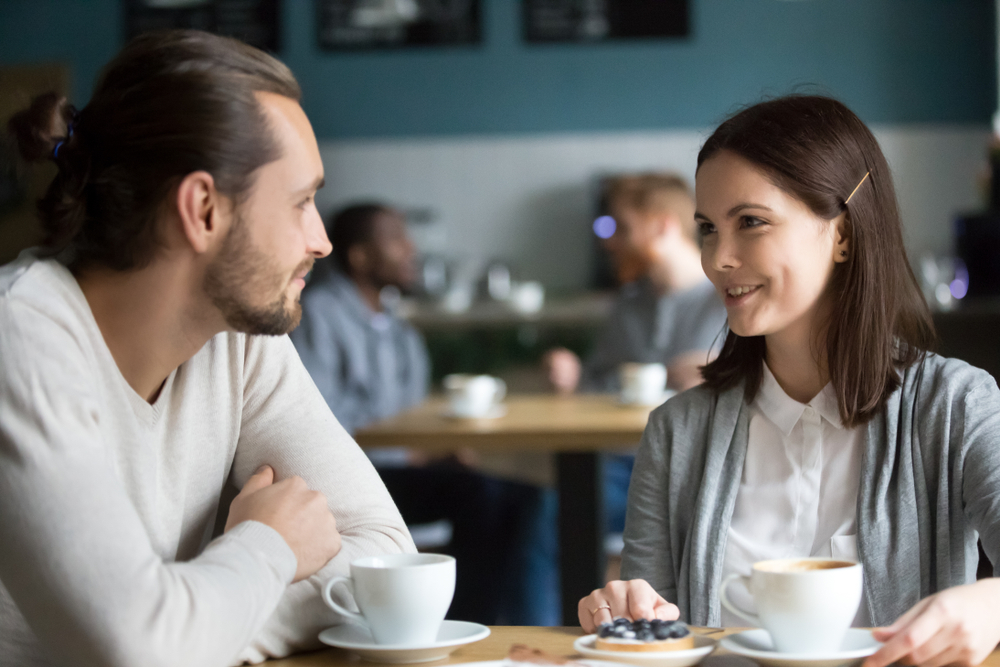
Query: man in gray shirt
(666, 312)
(368, 363)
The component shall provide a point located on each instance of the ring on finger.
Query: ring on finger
(603, 606)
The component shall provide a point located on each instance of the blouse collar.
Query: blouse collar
(784, 411)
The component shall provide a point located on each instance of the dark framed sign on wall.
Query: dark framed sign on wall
(256, 22)
(548, 21)
(347, 25)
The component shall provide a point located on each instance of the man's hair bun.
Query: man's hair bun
(37, 129)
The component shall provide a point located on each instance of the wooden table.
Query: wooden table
(558, 641)
(575, 428)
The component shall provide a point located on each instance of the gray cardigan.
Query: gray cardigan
(930, 481)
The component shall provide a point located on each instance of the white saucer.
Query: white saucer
(358, 639)
(513, 663)
(497, 411)
(702, 647)
(667, 394)
(756, 645)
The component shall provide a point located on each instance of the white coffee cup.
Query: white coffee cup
(806, 604)
(474, 395)
(643, 384)
(402, 597)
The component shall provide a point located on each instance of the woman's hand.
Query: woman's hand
(958, 626)
(630, 599)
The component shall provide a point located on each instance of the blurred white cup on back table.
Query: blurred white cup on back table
(527, 297)
(474, 396)
(403, 598)
(642, 384)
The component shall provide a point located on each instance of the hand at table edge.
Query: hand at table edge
(957, 626)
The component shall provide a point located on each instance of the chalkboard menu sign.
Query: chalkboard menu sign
(389, 24)
(603, 20)
(256, 22)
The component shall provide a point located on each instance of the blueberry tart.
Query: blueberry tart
(643, 635)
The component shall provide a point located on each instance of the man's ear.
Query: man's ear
(201, 211)
(664, 224)
(358, 259)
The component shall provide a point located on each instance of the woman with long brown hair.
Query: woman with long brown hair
(825, 427)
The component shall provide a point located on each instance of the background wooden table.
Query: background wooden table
(575, 428)
(558, 641)
(534, 422)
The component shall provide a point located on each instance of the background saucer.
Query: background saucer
(702, 647)
(756, 645)
(452, 635)
(497, 411)
(667, 394)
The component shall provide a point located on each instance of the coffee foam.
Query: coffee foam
(803, 565)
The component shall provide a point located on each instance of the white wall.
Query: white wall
(527, 198)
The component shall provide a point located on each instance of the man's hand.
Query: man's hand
(684, 370)
(563, 370)
(300, 515)
(958, 626)
(629, 599)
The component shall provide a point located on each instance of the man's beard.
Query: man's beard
(241, 271)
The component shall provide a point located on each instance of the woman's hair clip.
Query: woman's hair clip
(847, 201)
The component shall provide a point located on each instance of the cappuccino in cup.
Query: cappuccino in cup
(402, 597)
(805, 604)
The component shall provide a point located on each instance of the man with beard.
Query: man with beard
(145, 364)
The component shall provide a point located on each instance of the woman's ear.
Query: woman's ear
(842, 239)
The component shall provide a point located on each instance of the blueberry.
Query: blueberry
(679, 630)
(621, 621)
(606, 630)
(645, 635)
(641, 623)
(657, 623)
(661, 631)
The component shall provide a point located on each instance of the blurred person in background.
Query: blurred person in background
(370, 364)
(145, 362)
(667, 311)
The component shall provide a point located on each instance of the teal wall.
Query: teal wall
(893, 61)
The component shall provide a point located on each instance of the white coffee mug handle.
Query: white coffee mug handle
(501, 390)
(332, 604)
(724, 599)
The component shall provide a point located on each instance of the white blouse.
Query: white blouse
(799, 489)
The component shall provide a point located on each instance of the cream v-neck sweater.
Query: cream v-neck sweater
(107, 503)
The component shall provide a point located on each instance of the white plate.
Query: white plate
(358, 639)
(495, 412)
(756, 645)
(692, 656)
